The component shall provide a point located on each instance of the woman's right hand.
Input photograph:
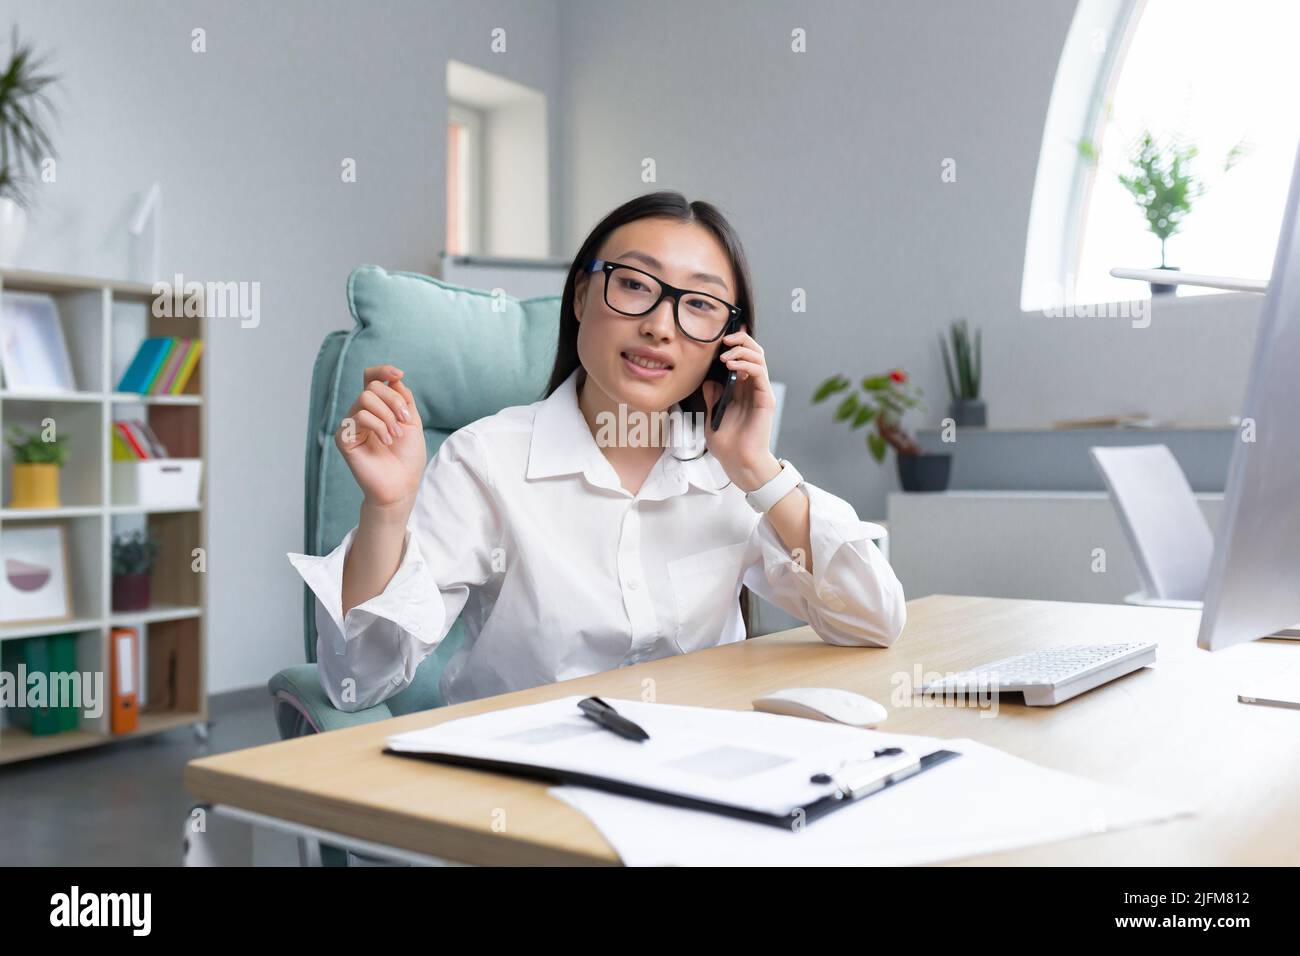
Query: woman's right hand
(382, 439)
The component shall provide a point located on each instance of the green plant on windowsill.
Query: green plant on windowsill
(1161, 178)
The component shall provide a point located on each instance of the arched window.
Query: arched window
(1200, 73)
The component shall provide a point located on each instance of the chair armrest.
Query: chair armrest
(302, 706)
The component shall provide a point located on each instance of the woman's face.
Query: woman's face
(614, 347)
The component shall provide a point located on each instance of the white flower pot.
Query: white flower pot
(13, 225)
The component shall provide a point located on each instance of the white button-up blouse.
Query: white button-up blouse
(522, 526)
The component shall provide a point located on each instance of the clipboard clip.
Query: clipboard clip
(857, 778)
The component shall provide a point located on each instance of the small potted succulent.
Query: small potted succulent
(36, 468)
(133, 558)
(962, 366)
(880, 401)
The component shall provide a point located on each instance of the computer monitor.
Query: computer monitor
(1253, 588)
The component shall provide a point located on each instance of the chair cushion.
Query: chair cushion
(467, 353)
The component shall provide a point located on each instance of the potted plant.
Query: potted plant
(133, 558)
(1161, 180)
(880, 401)
(962, 365)
(24, 142)
(36, 468)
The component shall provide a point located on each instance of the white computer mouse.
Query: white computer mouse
(823, 703)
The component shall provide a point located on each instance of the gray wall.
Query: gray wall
(828, 163)
(247, 140)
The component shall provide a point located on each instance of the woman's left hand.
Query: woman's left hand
(742, 442)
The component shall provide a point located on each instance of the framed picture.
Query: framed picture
(32, 347)
(35, 586)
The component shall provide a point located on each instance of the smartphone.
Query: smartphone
(718, 372)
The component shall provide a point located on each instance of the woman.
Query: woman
(582, 533)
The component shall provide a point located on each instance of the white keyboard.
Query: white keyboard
(1052, 675)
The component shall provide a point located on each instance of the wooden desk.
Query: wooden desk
(1175, 729)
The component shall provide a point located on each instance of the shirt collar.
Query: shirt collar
(562, 444)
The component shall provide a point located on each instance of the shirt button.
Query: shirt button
(633, 584)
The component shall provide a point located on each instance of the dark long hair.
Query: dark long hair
(665, 204)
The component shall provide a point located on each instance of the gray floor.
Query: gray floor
(123, 804)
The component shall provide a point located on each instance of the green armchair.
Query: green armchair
(467, 354)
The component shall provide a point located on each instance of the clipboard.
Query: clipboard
(857, 788)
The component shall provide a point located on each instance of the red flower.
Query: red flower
(898, 375)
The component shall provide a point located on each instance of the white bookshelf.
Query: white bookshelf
(104, 321)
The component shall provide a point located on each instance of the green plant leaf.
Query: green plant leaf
(30, 449)
(947, 366)
(134, 552)
(836, 383)
(865, 414)
(1162, 182)
(24, 142)
(877, 446)
(1239, 151)
(847, 407)
(893, 403)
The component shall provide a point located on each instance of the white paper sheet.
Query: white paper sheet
(981, 802)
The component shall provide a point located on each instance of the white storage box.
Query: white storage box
(157, 482)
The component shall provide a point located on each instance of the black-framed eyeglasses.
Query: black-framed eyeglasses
(701, 316)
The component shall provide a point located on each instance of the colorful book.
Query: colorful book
(137, 451)
(133, 426)
(162, 365)
(187, 367)
(167, 374)
(151, 382)
(155, 445)
(121, 450)
(134, 440)
(144, 366)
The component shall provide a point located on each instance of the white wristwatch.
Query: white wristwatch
(762, 499)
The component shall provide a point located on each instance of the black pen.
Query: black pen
(605, 715)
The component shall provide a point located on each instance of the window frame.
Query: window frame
(1085, 81)
(472, 121)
